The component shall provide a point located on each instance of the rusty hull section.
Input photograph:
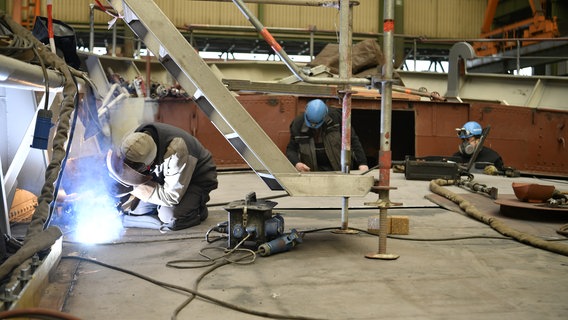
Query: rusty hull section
(530, 140)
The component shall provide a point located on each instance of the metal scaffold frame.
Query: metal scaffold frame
(183, 62)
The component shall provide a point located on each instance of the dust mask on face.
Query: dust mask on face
(466, 148)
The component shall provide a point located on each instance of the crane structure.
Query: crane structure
(24, 12)
(538, 26)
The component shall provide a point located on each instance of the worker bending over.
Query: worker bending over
(315, 140)
(169, 175)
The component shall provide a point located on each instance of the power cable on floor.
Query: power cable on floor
(214, 263)
(209, 261)
(154, 239)
(181, 289)
(412, 239)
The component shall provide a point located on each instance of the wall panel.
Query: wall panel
(460, 19)
(366, 17)
(444, 18)
(420, 17)
(204, 12)
(431, 18)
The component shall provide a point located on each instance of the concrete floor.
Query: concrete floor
(327, 276)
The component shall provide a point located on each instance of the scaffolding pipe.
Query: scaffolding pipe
(22, 75)
(286, 59)
(385, 156)
(92, 28)
(345, 72)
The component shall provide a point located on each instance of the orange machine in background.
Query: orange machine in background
(25, 11)
(538, 26)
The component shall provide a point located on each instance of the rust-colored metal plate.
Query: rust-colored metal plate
(510, 204)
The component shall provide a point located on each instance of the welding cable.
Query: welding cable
(200, 263)
(45, 77)
(65, 157)
(563, 230)
(212, 262)
(221, 227)
(16, 46)
(409, 238)
(390, 236)
(20, 44)
(436, 186)
(214, 266)
(218, 204)
(181, 289)
(196, 286)
(186, 302)
(36, 313)
(155, 239)
(37, 226)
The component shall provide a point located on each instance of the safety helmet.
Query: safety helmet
(469, 129)
(316, 110)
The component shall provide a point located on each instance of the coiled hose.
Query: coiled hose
(436, 186)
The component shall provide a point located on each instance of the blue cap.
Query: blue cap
(469, 129)
(316, 110)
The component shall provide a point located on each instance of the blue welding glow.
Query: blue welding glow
(97, 219)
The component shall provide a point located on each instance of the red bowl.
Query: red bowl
(532, 192)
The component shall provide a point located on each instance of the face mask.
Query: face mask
(466, 148)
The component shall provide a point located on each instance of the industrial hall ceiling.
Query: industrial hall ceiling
(424, 30)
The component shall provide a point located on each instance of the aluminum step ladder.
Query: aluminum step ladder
(183, 62)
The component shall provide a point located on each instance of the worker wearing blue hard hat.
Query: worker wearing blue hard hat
(470, 134)
(315, 140)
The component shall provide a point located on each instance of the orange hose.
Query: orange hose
(39, 313)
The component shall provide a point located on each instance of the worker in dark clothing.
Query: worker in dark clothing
(315, 140)
(470, 134)
(168, 173)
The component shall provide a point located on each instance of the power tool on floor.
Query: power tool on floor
(251, 222)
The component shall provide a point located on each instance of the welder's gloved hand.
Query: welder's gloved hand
(120, 190)
(144, 191)
(491, 170)
(398, 168)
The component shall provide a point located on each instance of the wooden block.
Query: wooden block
(399, 225)
(396, 225)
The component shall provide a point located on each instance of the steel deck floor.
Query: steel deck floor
(327, 276)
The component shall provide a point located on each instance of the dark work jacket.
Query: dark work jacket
(485, 155)
(205, 173)
(301, 147)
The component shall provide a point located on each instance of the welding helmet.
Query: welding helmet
(316, 110)
(128, 164)
(469, 129)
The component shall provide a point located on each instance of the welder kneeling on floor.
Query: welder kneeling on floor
(165, 176)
